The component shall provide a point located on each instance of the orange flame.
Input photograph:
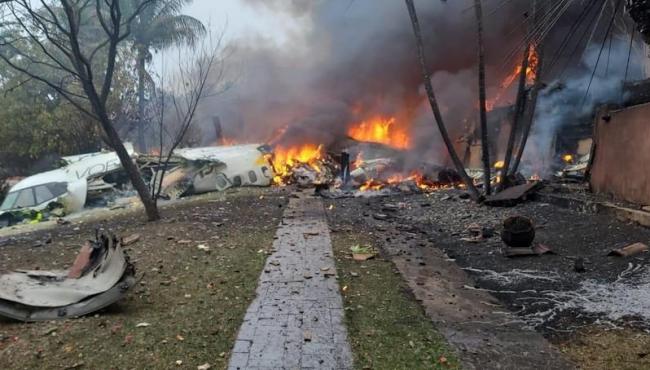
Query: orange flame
(531, 74)
(418, 178)
(381, 130)
(372, 184)
(285, 159)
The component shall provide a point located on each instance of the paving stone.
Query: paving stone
(295, 295)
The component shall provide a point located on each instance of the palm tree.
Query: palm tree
(159, 26)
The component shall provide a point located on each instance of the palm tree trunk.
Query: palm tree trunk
(485, 144)
(519, 110)
(529, 114)
(141, 69)
(529, 117)
(434, 105)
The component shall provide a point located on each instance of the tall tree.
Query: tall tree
(458, 164)
(485, 144)
(78, 65)
(157, 27)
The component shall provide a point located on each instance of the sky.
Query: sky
(243, 20)
(239, 20)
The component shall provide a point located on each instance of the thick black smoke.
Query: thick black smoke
(357, 59)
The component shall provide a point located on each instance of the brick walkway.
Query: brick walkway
(296, 321)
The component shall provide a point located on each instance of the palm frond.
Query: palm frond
(166, 31)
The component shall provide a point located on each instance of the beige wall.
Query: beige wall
(621, 163)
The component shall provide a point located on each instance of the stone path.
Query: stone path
(296, 320)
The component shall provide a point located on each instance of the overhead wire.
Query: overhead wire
(629, 55)
(578, 22)
(592, 23)
(593, 74)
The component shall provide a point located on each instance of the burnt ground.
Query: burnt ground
(192, 300)
(543, 291)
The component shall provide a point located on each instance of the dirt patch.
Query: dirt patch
(186, 309)
(386, 326)
(602, 349)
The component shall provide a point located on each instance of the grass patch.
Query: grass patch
(387, 328)
(194, 301)
(600, 349)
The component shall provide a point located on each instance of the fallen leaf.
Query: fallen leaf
(116, 328)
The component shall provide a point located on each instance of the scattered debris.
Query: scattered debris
(478, 233)
(575, 171)
(630, 250)
(100, 276)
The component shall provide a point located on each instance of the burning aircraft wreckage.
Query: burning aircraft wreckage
(372, 149)
(373, 160)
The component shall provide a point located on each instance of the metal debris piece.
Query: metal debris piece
(630, 250)
(100, 276)
(537, 250)
(579, 265)
(512, 196)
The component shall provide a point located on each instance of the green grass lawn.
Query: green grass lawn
(387, 328)
(186, 310)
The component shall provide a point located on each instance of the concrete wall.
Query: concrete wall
(621, 163)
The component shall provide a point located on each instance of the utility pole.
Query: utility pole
(485, 144)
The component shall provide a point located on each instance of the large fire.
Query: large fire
(506, 84)
(284, 159)
(415, 177)
(381, 130)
